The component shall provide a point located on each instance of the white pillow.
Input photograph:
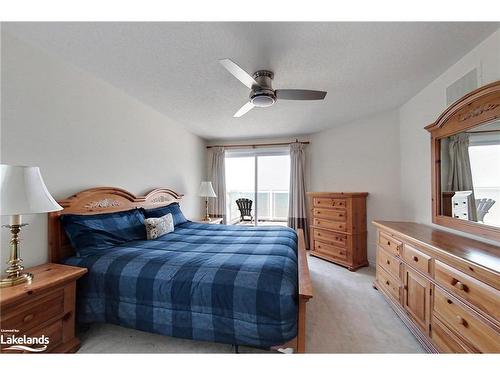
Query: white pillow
(159, 226)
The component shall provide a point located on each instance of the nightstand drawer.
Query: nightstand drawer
(54, 332)
(28, 315)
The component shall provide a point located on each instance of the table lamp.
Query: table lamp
(207, 191)
(22, 191)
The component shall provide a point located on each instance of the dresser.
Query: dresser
(445, 287)
(338, 228)
(46, 307)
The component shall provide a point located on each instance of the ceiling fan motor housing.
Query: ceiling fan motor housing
(263, 96)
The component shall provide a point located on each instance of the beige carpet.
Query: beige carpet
(346, 315)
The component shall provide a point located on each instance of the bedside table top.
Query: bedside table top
(45, 276)
(214, 220)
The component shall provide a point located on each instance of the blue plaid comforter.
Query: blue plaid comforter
(222, 283)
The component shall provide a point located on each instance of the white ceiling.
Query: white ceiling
(173, 67)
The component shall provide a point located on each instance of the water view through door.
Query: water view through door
(263, 178)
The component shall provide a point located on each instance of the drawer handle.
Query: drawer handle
(388, 243)
(387, 282)
(340, 215)
(457, 284)
(388, 261)
(28, 317)
(449, 301)
(415, 258)
(461, 321)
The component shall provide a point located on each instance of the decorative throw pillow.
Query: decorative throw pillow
(159, 226)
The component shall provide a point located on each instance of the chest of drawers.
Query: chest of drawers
(338, 228)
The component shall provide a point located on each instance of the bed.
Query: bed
(228, 284)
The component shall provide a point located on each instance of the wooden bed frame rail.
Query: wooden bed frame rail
(109, 199)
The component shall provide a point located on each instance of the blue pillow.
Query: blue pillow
(172, 208)
(90, 234)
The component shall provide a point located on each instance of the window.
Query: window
(262, 175)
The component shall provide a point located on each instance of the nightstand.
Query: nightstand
(214, 220)
(46, 306)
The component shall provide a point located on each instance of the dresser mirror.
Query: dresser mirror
(466, 164)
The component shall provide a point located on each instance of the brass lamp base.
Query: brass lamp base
(15, 276)
(16, 280)
(207, 216)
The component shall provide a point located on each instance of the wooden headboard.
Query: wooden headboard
(96, 201)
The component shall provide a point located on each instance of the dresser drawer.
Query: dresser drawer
(335, 238)
(481, 295)
(466, 323)
(389, 244)
(417, 259)
(334, 225)
(329, 214)
(389, 283)
(29, 315)
(335, 215)
(445, 340)
(330, 250)
(388, 262)
(329, 202)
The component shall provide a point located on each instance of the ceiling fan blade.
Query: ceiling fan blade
(300, 94)
(246, 107)
(239, 73)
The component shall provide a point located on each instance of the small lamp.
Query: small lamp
(207, 191)
(22, 192)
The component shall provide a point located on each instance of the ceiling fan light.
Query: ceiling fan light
(262, 101)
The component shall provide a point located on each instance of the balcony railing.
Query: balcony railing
(272, 205)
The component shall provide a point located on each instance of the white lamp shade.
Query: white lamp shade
(22, 191)
(206, 190)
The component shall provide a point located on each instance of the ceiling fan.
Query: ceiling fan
(262, 93)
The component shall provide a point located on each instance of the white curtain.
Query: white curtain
(297, 211)
(460, 173)
(218, 178)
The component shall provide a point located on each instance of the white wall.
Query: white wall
(83, 133)
(361, 156)
(424, 109)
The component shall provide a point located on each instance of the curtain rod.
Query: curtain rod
(261, 144)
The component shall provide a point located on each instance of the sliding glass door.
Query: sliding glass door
(262, 176)
(240, 183)
(273, 180)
